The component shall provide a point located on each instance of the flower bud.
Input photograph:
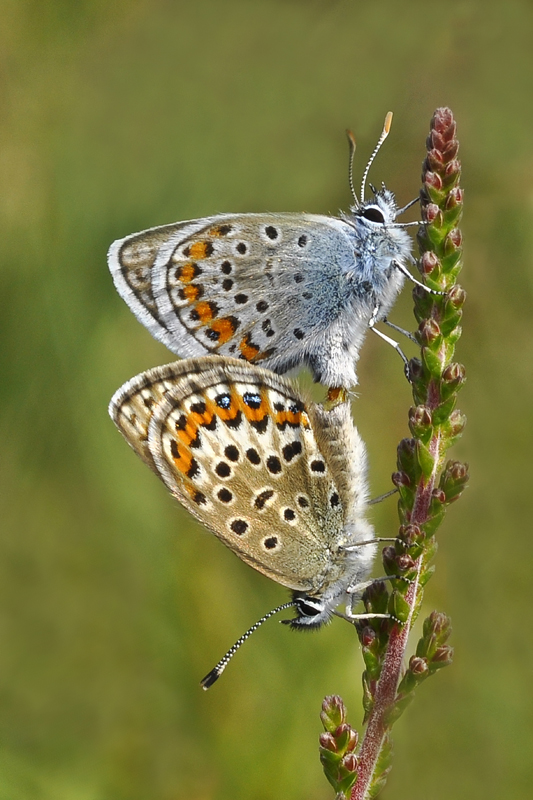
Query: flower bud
(454, 198)
(438, 624)
(418, 666)
(443, 124)
(456, 423)
(438, 495)
(433, 180)
(452, 171)
(349, 762)
(434, 162)
(432, 214)
(420, 421)
(416, 369)
(449, 152)
(454, 375)
(406, 454)
(376, 597)
(401, 479)
(367, 636)
(428, 331)
(453, 241)
(346, 738)
(457, 296)
(443, 656)
(454, 479)
(429, 262)
(411, 534)
(404, 562)
(333, 712)
(389, 560)
(327, 741)
(436, 631)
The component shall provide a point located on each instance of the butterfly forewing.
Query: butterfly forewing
(236, 445)
(254, 286)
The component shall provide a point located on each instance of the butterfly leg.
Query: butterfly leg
(357, 591)
(396, 346)
(405, 271)
(349, 617)
(405, 333)
(359, 588)
(381, 497)
(377, 540)
(372, 325)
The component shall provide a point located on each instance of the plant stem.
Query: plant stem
(434, 426)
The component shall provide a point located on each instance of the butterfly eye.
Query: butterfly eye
(373, 214)
(308, 607)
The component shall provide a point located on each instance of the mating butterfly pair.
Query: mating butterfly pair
(279, 479)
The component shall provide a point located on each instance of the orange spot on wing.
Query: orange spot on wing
(200, 249)
(188, 433)
(292, 418)
(226, 327)
(282, 417)
(232, 412)
(228, 413)
(204, 418)
(182, 457)
(204, 311)
(255, 414)
(190, 293)
(186, 273)
(220, 230)
(248, 349)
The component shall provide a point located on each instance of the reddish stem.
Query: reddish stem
(391, 673)
(383, 700)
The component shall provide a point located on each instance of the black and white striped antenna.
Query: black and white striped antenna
(217, 671)
(384, 134)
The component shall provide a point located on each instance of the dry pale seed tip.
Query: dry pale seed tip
(351, 140)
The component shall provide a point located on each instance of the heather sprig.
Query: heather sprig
(426, 483)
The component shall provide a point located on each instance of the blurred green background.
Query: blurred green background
(117, 116)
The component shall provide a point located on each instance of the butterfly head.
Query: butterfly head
(379, 210)
(312, 612)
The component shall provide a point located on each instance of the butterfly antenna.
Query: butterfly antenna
(217, 671)
(384, 134)
(408, 205)
(351, 140)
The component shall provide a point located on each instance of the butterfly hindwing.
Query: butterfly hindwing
(238, 447)
(131, 262)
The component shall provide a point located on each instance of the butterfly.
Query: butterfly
(277, 478)
(282, 290)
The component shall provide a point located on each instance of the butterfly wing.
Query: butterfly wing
(248, 457)
(131, 262)
(262, 287)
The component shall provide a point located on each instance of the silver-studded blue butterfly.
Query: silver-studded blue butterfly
(283, 290)
(278, 479)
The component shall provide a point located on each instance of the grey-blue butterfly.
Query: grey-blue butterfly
(283, 290)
